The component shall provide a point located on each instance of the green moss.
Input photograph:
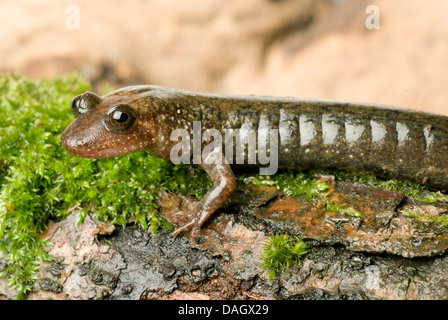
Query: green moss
(282, 252)
(292, 182)
(412, 189)
(39, 180)
(442, 219)
(343, 209)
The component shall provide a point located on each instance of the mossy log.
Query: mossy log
(385, 254)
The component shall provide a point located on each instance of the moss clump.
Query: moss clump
(440, 219)
(343, 209)
(282, 252)
(39, 180)
(292, 182)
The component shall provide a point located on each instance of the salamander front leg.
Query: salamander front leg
(223, 186)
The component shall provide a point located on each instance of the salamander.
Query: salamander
(388, 141)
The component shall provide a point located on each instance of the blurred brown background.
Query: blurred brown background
(303, 48)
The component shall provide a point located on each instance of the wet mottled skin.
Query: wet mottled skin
(390, 142)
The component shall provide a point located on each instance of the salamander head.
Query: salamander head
(116, 124)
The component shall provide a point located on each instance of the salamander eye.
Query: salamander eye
(120, 118)
(74, 105)
(77, 106)
(82, 103)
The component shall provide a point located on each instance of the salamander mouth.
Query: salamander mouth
(93, 149)
(78, 142)
(91, 153)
